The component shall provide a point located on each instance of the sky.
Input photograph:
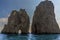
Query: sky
(6, 7)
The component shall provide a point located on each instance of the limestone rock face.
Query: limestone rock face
(18, 20)
(44, 19)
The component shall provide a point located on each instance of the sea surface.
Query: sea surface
(29, 37)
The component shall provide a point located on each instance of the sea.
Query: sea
(29, 37)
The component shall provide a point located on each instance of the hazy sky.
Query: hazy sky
(6, 6)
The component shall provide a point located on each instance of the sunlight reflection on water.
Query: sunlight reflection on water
(31, 37)
(58, 38)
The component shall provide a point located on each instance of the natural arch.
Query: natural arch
(18, 20)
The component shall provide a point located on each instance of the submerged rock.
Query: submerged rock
(44, 19)
(18, 20)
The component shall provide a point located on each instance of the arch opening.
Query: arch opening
(19, 31)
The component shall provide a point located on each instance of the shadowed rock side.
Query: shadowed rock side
(44, 19)
(18, 20)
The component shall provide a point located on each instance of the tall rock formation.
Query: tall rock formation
(44, 19)
(18, 20)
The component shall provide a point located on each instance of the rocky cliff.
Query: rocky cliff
(18, 20)
(44, 19)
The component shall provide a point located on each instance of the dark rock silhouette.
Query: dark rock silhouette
(44, 19)
(18, 20)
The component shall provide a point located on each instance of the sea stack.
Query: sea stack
(44, 19)
(18, 20)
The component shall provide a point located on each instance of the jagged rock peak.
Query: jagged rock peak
(44, 19)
